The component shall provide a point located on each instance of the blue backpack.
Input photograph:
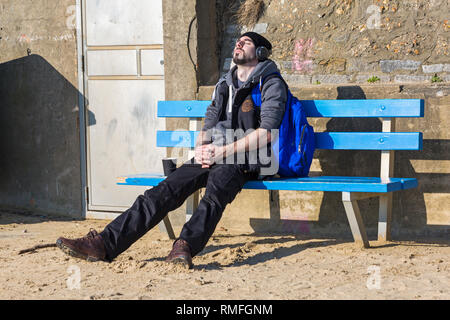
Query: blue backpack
(296, 142)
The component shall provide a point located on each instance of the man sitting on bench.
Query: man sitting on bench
(232, 108)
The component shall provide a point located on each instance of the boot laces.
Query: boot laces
(92, 234)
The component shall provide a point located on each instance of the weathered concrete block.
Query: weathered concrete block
(260, 28)
(388, 66)
(331, 78)
(361, 65)
(432, 68)
(293, 79)
(441, 93)
(411, 78)
(298, 66)
(286, 65)
(446, 67)
(332, 65)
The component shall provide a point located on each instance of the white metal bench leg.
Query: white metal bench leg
(354, 219)
(386, 171)
(195, 124)
(166, 227)
(384, 218)
(191, 205)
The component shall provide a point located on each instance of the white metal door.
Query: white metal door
(124, 79)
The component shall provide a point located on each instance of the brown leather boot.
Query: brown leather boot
(89, 247)
(180, 254)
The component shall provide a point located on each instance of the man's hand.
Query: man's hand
(203, 154)
(208, 154)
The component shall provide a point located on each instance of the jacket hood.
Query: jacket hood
(262, 70)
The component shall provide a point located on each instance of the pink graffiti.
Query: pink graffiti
(301, 59)
(295, 226)
(297, 222)
(24, 38)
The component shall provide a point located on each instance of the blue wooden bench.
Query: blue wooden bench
(352, 188)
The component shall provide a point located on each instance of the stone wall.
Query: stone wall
(329, 50)
(348, 41)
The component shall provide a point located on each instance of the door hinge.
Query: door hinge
(86, 194)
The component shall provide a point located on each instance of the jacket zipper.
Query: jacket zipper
(230, 98)
(301, 139)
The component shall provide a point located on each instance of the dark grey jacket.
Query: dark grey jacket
(223, 113)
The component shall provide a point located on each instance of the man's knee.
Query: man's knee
(226, 170)
(225, 182)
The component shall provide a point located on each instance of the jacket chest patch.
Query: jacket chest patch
(247, 105)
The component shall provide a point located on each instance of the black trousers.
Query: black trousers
(222, 181)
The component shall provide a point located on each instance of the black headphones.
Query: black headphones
(262, 53)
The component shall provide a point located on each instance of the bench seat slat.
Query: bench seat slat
(324, 140)
(378, 108)
(323, 183)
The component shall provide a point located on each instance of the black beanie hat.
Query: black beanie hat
(258, 40)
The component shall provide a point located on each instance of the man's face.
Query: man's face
(244, 51)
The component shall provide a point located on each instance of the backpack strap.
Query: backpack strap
(262, 80)
(257, 90)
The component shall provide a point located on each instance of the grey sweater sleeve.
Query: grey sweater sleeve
(211, 116)
(273, 103)
(214, 109)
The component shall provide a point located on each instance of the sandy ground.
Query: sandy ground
(232, 266)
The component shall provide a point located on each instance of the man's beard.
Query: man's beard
(241, 61)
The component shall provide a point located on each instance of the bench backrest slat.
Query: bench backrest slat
(378, 108)
(324, 140)
(385, 108)
(182, 109)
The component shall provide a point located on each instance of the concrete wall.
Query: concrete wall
(180, 73)
(39, 128)
(180, 76)
(39, 125)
